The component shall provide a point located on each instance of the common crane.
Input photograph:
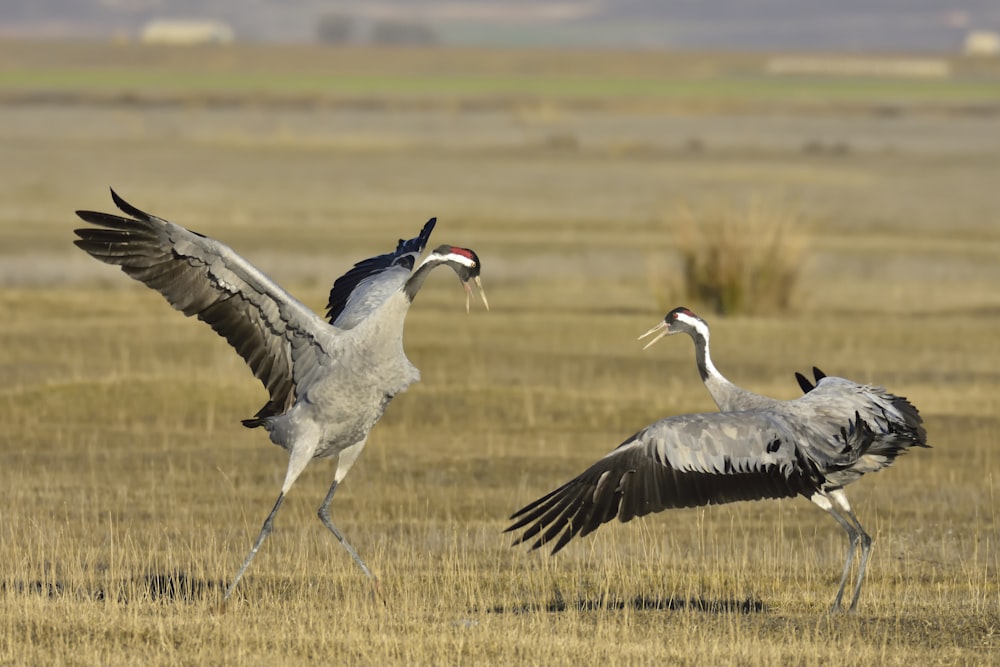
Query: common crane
(328, 381)
(756, 448)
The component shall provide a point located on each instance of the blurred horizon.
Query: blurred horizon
(854, 26)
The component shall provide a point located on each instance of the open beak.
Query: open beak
(661, 327)
(468, 293)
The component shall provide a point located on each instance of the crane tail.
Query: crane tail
(804, 383)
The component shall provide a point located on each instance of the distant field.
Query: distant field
(132, 491)
(709, 91)
(594, 78)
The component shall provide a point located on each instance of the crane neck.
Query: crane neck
(726, 395)
(718, 386)
(706, 368)
(417, 278)
(390, 316)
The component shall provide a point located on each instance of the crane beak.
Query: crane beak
(665, 330)
(468, 293)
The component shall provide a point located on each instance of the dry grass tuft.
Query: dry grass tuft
(737, 260)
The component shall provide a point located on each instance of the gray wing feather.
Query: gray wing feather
(284, 342)
(359, 292)
(684, 461)
(838, 431)
(895, 422)
(370, 293)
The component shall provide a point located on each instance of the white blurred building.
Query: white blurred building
(982, 43)
(186, 31)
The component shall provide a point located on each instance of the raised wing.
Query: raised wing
(284, 343)
(362, 289)
(683, 461)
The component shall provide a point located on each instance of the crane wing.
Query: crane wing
(284, 342)
(360, 291)
(683, 461)
(894, 421)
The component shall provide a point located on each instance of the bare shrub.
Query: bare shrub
(736, 260)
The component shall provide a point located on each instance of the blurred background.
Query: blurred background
(581, 139)
(879, 26)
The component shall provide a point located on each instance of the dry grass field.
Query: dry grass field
(132, 492)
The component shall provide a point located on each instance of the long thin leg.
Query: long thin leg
(860, 537)
(265, 530)
(853, 537)
(866, 548)
(324, 516)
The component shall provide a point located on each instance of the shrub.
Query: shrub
(740, 260)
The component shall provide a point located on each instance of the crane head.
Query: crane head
(676, 321)
(465, 262)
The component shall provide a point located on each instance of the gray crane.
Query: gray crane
(756, 448)
(328, 381)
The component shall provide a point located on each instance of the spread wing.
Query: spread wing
(284, 343)
(363, 289)
(683, 461)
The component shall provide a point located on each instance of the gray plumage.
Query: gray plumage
(756, 448)
(328, 383)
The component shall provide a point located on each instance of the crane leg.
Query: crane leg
(265, 530)
(853, 538)
(324, 516)
(345, 460)
(866, 549)
(860, 537)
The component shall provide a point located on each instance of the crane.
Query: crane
(328, 381)
(755, 448)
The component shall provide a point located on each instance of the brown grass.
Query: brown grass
(133, 493)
